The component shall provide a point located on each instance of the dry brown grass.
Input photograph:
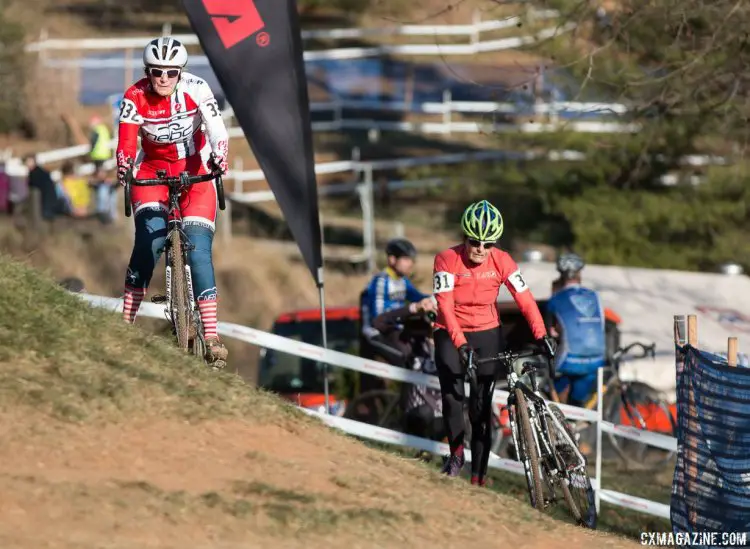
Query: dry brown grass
(221, 483)
(258, 279)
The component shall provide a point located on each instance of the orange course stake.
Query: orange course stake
(732, 351)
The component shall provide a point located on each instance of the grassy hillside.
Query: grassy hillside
(111, 437)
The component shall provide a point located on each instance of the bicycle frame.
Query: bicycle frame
(539, 413)
(176, 186)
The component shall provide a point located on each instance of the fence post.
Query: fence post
(238, 183)
(476, 19)
(369, 233)
(599, 419)
(691, 468)
(226, 221)
(732, 351)
(692, 330)
(447, 109)
(43, 36)
(398, 229)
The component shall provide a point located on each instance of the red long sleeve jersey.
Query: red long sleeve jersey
(170, 127)
(467, 293)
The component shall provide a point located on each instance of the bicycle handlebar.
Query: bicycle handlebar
(189, 180)
(509, 356)
(647, 350)
(183, 179)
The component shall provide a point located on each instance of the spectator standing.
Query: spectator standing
(43, 189)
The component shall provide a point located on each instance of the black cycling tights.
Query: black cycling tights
(452, 377)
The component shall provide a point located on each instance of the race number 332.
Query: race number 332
(442, 282)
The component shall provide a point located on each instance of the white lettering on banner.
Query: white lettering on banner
(343, 360)
(517, 281)
(443, 282)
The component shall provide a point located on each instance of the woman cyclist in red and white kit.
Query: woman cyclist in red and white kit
(466, 282)
(169, 109)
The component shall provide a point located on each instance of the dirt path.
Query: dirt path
(233, 484)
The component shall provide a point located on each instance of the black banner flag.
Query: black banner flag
(255, 50)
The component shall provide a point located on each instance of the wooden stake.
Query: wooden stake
(732, 351)
(693, 330)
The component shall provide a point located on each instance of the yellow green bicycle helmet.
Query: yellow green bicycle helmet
(482, 221)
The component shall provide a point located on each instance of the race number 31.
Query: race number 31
(442, 282)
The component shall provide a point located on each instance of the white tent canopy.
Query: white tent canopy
(648, 299)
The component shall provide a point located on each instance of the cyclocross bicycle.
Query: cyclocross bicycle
(545, 444)
(181, 309)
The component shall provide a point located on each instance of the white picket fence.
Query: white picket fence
(472, 48)
(355, 363)
(447, 126)
(369, 167)
(473, 30)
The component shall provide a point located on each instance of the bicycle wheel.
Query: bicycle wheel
(529, 455)
(179, 293)
(580, 500)
(639, 405)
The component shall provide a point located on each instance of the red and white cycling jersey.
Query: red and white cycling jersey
(171, 127)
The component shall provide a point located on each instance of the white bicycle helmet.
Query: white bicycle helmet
(165, 52)
(569, 264)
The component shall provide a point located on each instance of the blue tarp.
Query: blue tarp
(711, 487)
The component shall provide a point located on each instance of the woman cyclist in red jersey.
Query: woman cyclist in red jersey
(466, 282)
(178, 120)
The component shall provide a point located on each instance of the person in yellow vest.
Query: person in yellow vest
(101, 151)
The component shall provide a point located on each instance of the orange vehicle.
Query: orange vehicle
(298, 379)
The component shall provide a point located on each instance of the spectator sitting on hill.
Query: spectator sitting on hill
(76, 191)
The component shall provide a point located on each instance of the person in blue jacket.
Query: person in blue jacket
(388, 290)
(576, 318)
